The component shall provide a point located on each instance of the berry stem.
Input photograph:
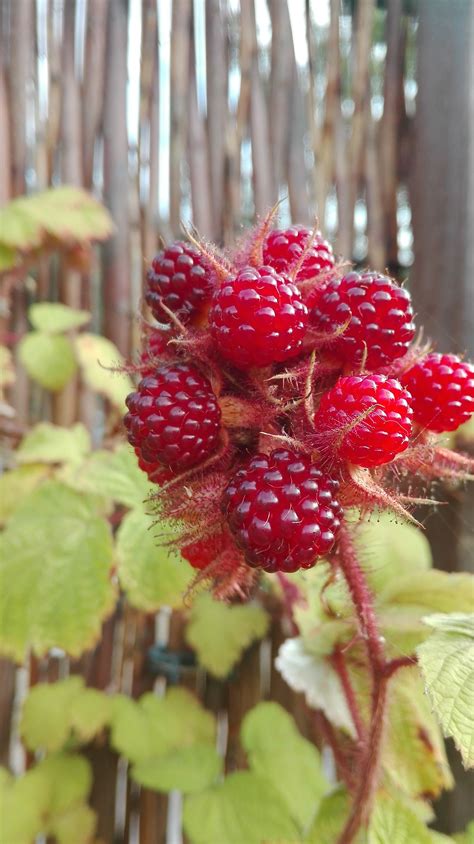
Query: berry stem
(363, 603)
(367, 777)
(362, 599)
(340, 667)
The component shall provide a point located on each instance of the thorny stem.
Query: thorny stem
(340, 667)
(381, 670)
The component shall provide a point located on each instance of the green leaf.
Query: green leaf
(315, 677)
(432, 590)
(466, 837)
(16, 484)
(48, 799)
(390, 550)
(279, 754)
(54, 317)
(114, 475)
(55, 586)
(53, 711)
(48, 359)
(47, 443)
(188, 769)
(100, 361)
(447, 664)
(23, 804)
(219, 633)
(245, 808)
(148, 573)
(157, 726)
(414, 756)
(329, 822)
(67, 215)
(392, 822)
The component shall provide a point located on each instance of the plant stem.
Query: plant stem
(363, 603)
(340, 666)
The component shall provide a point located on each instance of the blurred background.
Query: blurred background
(359, 114)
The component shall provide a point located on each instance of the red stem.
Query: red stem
(363, 603)
(340, 666)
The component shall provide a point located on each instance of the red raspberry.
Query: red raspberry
(203, 552)
(380, 318)
(365, 419)
(180, 279)
(258, 318)
(283, 248)
(173, 417)
(442, 387)
(282, 511)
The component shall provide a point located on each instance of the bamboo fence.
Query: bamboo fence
(209, 110)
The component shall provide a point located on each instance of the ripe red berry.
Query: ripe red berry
(283, 248)
(379, 316)
(173, 418)
(283, 511)
(364, 419)
(180, 279)
(258, 318)
(203, 552)
(442, 387)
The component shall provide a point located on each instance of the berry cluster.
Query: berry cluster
(276, 389)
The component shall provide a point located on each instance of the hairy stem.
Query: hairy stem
(340, 666)
(370, 752)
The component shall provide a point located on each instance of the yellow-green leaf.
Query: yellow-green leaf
(55, 586)
(447, 664)
(244, 808)
(100, 362)
(54, 711)
(149, 574)
(48, 359)
(278, 753)
(219, 633)
(114, 475)
(16, 484)
(414, 756)
(47, 443)
(54, 317)
(392, 822)
(187, 769)
(329, 822)
(158, 726)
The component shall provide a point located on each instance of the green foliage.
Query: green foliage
(393, 821)
(466, 837)
(220, 633)
(148, 573)
(329, 822)
(48, 359)
(55, 586)
(100, 362)
(52, 713)
(414, 755)
(114, 475)
(47, 443)
(244, 807)
(57, 218)
(16, 484)
(169, 740)
(48, 800)
(446, 661)
(54, 317)
(278, 753)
